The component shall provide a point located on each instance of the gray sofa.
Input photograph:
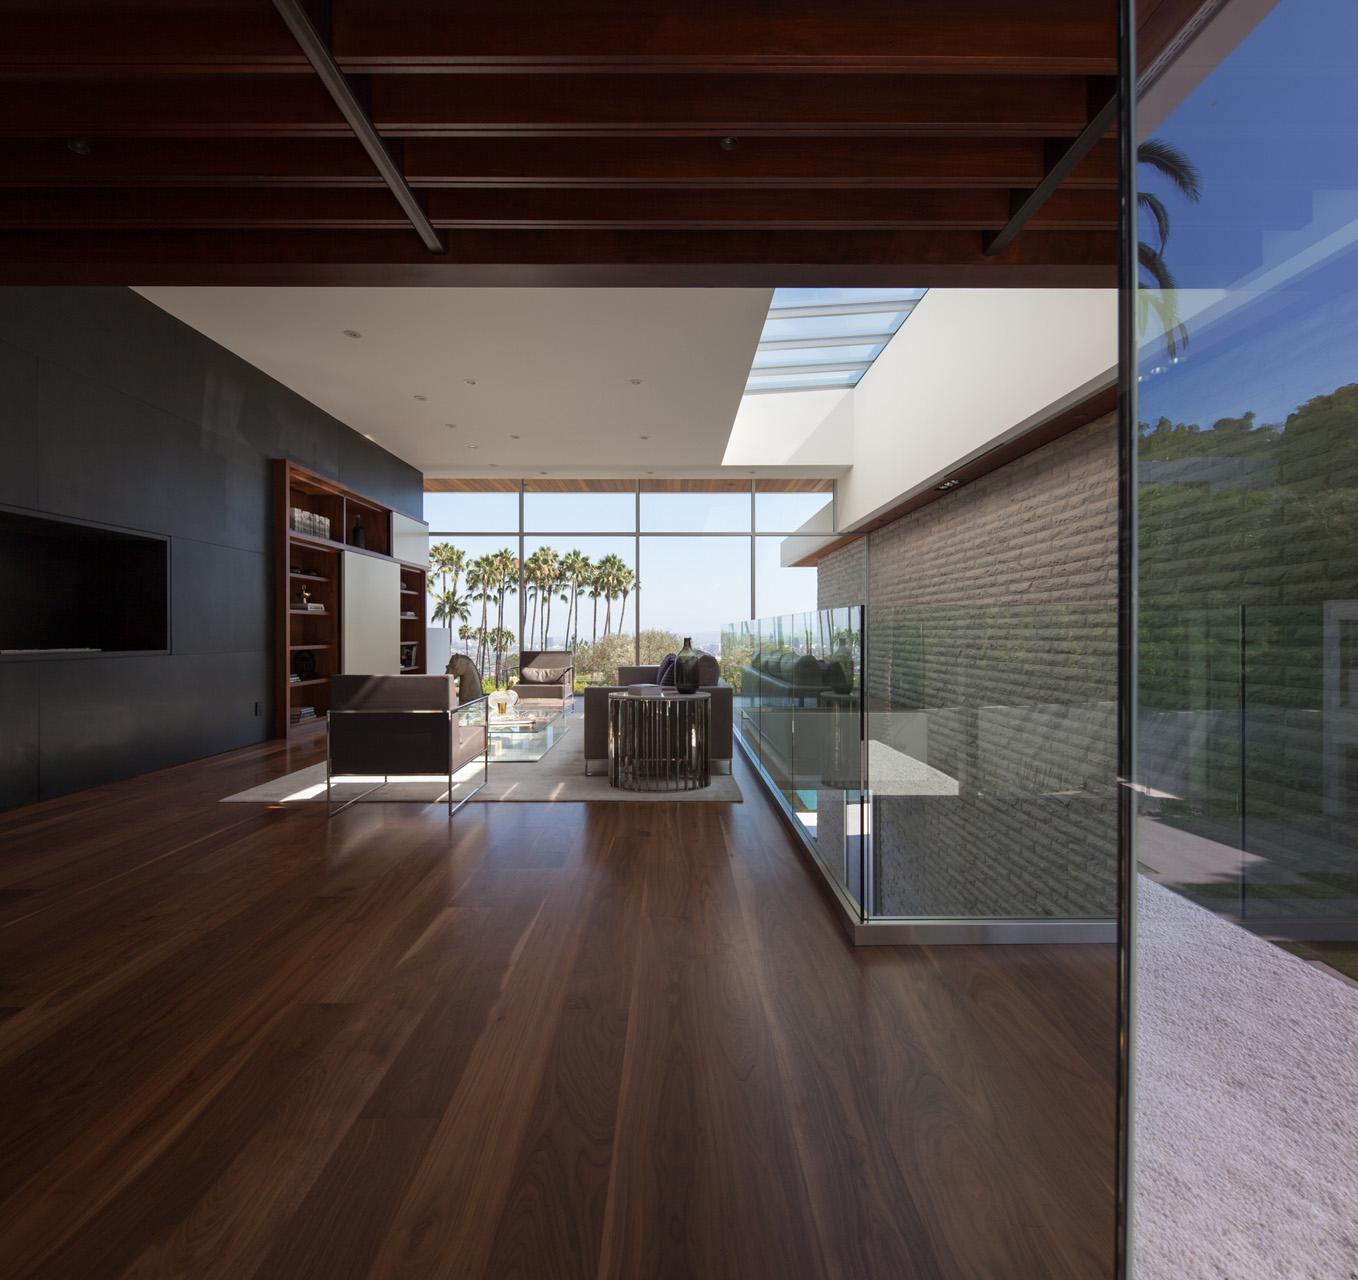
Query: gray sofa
(596, 713)
(548, 674)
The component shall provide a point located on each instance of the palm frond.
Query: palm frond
(1168, 160)
(1156, 208)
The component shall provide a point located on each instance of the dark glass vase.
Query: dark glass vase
(686, 669)
(360, 538)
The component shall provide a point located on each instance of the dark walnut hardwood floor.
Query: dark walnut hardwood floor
(612, 1040)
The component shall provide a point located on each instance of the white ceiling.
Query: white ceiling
(550, 366)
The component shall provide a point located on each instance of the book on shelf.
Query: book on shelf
(294, 678)
(315, 607)
(303, 713)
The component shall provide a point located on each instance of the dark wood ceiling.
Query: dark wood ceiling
(550, 141)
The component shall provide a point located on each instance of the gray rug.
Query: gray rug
(559, 776)
(1246, 1104)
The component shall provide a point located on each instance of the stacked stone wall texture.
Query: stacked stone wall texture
(992, 655)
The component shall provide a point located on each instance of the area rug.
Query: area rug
(558, 776)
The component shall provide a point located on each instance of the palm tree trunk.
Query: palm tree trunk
(595, 640)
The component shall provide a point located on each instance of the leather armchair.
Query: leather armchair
(384, 725)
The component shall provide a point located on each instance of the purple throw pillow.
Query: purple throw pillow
(666, 673)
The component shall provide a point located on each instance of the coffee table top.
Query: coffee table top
(525, 736)
(524, 720)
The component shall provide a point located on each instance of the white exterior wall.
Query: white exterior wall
(969, 369)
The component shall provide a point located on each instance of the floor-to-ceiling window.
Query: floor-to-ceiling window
(619, 570)
(1246, 626)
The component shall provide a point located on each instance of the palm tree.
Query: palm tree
(575, 569)
(444, 558)
(609, 581)
(549, 584)
(594, 592)
(450, 605)
(627, 580)
(1183, 174)
(505, 570)
(480, 578)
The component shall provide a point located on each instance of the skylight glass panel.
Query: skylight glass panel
(818, 355)
(814, 338)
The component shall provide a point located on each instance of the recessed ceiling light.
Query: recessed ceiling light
(636, 382)
(492, 464)
(473, 446)
(730, 142)
(513, 437)
(949, 484)
(421, 397)
(352, 333)
(471, 382)
(452, 426)
(542, 473)
(644, 437)
(650, 473)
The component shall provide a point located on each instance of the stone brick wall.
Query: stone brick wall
(992, 657)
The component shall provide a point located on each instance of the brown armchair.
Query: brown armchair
(404, 725)
(548, 674)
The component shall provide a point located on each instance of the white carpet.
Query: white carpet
(559, 776)
(1246, 1104)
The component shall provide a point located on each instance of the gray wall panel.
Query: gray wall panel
(18, 427)
(19, 702)
(221, 599)
(117, 460)
(108, 718)
(370, 469)
(113, 411)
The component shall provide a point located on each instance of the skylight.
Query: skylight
(815, 339)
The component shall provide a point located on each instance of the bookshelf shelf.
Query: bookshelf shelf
(303, 503)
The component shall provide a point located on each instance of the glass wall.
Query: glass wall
(1246, 630)
(619, 571)
(1247, 486)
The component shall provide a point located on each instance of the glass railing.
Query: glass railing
(1248, 761)
(945, 763)
(799, 716)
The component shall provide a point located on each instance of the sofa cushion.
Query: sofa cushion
(542, 675)
(666, 673)
(806, 671)
(709, 670)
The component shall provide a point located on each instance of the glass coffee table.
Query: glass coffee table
(526, 734)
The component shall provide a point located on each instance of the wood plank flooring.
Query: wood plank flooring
(619, 1041)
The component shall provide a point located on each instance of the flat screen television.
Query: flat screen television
(71, 587)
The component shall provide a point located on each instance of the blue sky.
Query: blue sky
(1273, 126)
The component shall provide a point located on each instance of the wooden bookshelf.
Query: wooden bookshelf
(315, 521)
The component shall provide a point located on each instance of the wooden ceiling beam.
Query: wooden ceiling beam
(771, 163)
(396, 257)
(740, 105)
(179, 162)
(168, 36)
(650, 209)
(557, 105)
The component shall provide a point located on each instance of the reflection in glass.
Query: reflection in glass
(1248, 489)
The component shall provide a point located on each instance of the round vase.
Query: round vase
(686, 668)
